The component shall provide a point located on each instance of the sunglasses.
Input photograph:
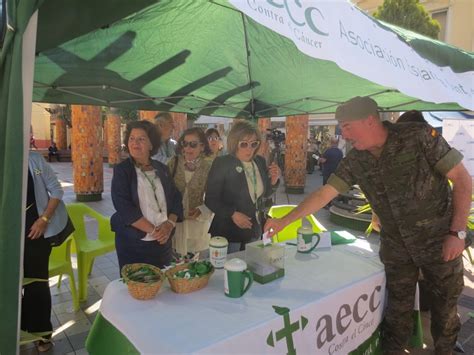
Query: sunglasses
(192, 144)
(246, 144)
(213, 139)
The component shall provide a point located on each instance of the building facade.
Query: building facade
(456, 18)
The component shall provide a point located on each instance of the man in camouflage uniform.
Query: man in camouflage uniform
(403, 170)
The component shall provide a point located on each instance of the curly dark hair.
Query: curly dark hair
(211, 131)
(201, 136)
(150, 130)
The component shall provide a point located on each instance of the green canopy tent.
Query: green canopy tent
(225, 58)
(206, 57)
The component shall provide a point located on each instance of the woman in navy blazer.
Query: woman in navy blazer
(236, 187)
(146, 201)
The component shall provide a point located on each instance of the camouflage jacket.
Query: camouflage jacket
(406, 186)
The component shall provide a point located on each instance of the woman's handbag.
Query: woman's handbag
(59, 238)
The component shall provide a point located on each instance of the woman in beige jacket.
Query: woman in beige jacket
(189, 170)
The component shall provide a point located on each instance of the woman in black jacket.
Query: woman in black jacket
(237, 186)
(146, 201)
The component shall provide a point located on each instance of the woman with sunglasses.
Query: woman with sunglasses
(237, 186)
(189, 169)
(215, 142)
(146, 201)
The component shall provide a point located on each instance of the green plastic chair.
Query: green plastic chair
(88, 249)
(60, 264)
(290, 231)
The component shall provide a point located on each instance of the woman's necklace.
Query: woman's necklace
(191, 165)
(144, 167)
(148, 167)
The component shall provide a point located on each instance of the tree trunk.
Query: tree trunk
(113, 142)
(87, 152)
(295, 153)
(61, 133)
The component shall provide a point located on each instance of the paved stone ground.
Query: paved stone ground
(71, 329)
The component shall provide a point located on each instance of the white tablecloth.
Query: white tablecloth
(335, 298)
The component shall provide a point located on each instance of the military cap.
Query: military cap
(356, 108)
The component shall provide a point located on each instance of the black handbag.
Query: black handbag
(59, 238)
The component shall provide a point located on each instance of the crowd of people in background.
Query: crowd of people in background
(171, 196)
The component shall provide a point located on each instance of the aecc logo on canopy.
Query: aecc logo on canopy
(313, 17)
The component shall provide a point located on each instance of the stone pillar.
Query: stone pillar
(295, 153)
(87, 150)
(147, 115)
(180, 121)
(61, 133)
(263, 125)
(113, 143)
(104, 134)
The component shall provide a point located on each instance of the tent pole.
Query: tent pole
(252, 100)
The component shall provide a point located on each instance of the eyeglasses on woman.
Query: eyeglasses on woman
(251, 144)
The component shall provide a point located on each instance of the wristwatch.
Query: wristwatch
(46, 219)
(460, 234)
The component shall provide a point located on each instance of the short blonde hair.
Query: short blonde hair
(238, 132)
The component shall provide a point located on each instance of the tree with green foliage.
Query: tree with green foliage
(62, 112)
(127, 115)
(408, 14)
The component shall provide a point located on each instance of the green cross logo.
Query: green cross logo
(287, 331)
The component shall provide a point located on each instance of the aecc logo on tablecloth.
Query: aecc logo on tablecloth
(333, 332)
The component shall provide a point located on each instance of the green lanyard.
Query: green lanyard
(153, 186)
(253, 178)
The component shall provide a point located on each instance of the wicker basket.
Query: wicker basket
(142, 290)
(186, 285)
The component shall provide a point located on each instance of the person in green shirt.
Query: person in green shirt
(403, 170)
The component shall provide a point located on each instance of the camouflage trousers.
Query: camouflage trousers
(445, 280)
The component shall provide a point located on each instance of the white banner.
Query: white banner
(335, 325)
(337, 31)
(460, 135)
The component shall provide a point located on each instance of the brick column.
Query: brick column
(104, 134)
(87, 150)
(180, 121)
(295, 153)
(147, 115)
(61, 133)
(113, 143)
